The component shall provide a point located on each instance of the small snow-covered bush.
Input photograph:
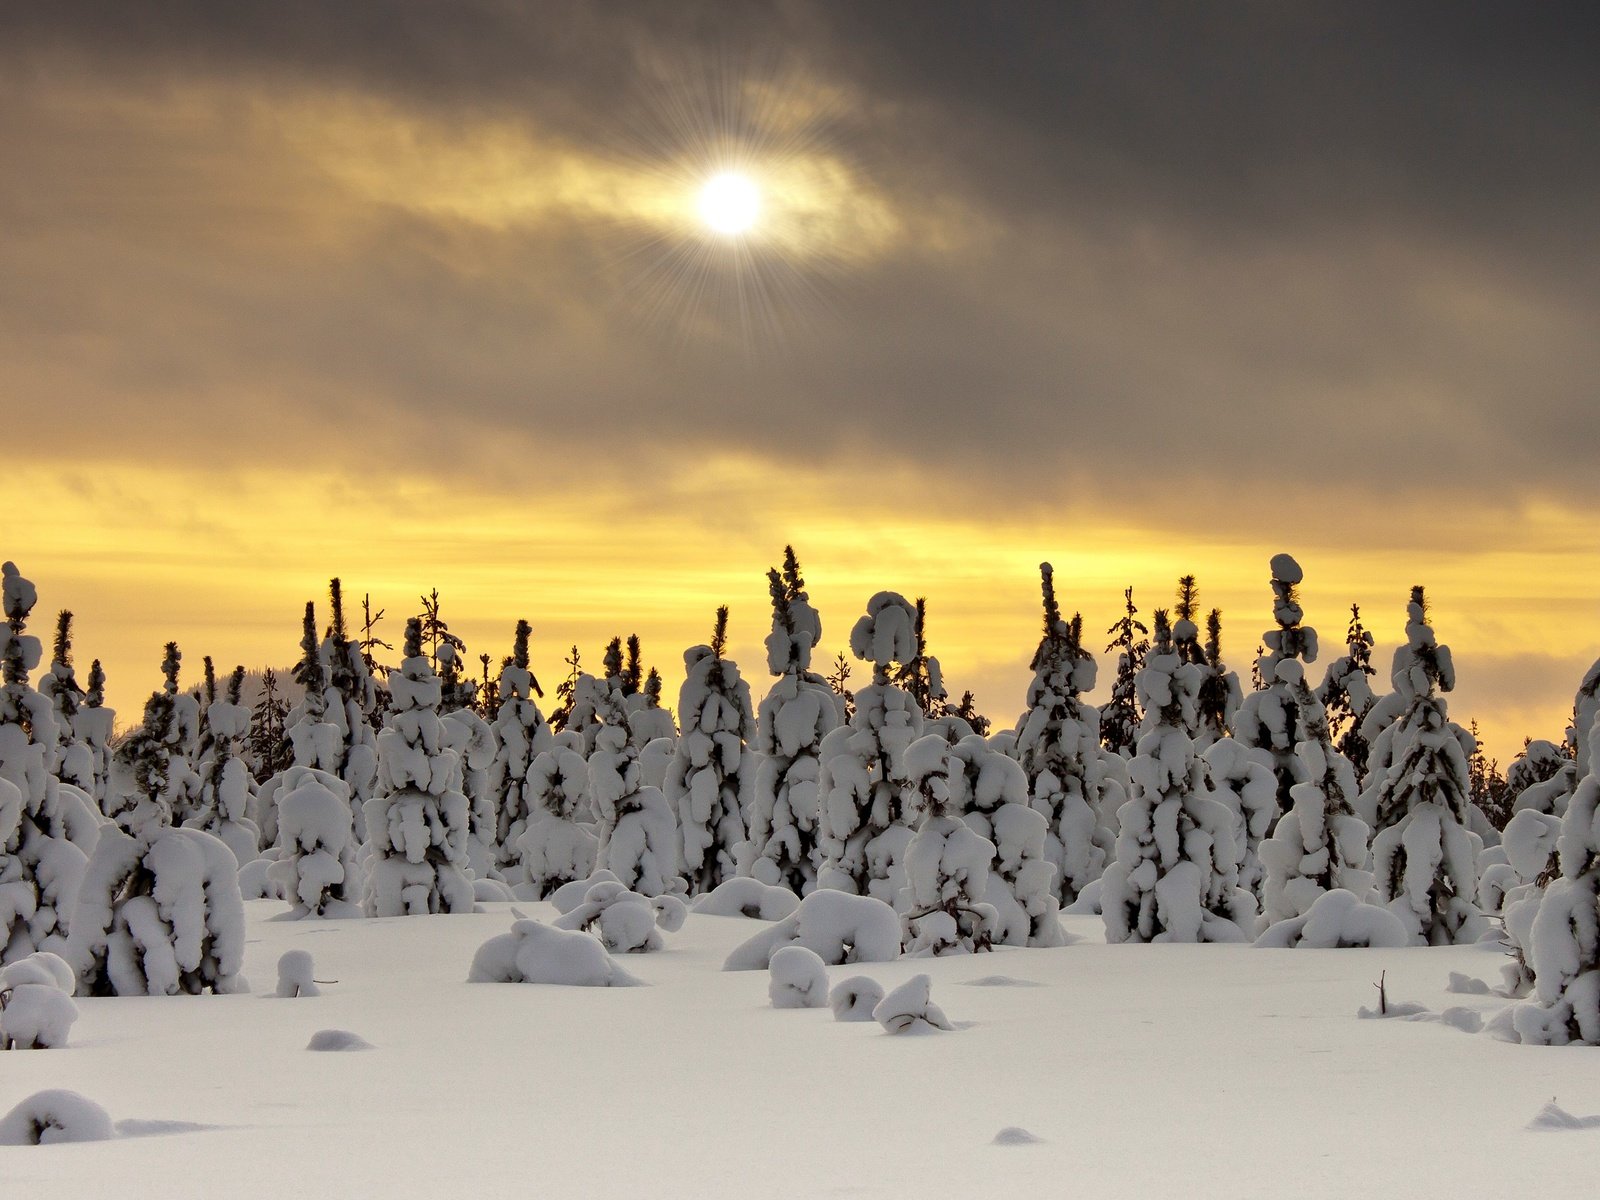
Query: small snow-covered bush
(1335, 920)
(295, 975)
(799, 979)
(746, 897)
(837, 926)
(36, 1008)
(624, 921)
(52, 1116)
(855, 998)
(537, 953)
(910, 1008)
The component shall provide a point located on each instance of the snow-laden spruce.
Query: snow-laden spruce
(800, 710)
(1424, 855)
(625, 922)
(558, 845)
(837, 926)
(1075, 784)
(990, 790)
(1120, 717)
(1586, 721)
(225, 784)
(1542, 779)
(638, 835)
(1563, 944)
(36, 1007)
(94, 725)
(470, 736)
(317, 870)
(947, 865)
(1271, 718)
(713, 770)
(1241, 777)
(47, 829)
(159, 912)
(74, 758)
(1217, 702)
(1320, 844)
(1346, 693)
(1176, 873)
(417, 823)
(864, 820)
(521, 735)
(352, 703)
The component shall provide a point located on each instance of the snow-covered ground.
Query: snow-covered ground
(1146, 1070)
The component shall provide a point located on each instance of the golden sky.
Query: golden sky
(423, 303)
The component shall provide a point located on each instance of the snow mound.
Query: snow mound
(799, 979)
(1553, 1118)
(569, 895)
(624, 921)
(537, 953)
(1015, 1135)
(36, 1007)
(337, 1039)
(910, 1009)
(854, 999)
(745, 897)
(1000, 981)
(491, 891)
(837, 926)
(1466, 985)
(1406, 1011)
(1337, 920)
(53, 1116)
(295, 971)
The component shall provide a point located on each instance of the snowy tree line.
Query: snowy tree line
(1188, 807)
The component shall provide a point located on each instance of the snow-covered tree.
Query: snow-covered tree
(225, 783)
(1220, 693)
(1120, 717)
(268, 744)
(1320, 844)
(314, 735)
(1346, 693)
(317, 870)
(1586, 721)
(521, 735)
(1542, 778)
(159, 912)
(417, 823)
(865, 817)
(352, 704)
(557, 845)
(46, 831)
(638, 834)
(947, 863)
(796, 715)
(1075, 784)
(74, 758)
(647, 720)
(990, 790)
(1241, 778)
(1176, 873)
(713, 771)
(95, 724)
(1424, 855)
(1271, 717)
(469, 735)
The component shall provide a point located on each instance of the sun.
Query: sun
(729, 203)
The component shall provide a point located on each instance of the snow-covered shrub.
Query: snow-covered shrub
(713, 770)
(838, 926)
(317, 869)
(864, 824)
(45, 834)
(991, 791)
(296, 975)
(537, 953)
(637, 832)
(909, 1008)
(799, 979)
(746, 897)
(1176, 873)
(1073, 783)
(417, 822)
(36, 1008)
(1272, 718)
(225, 782)
(1563, 944)
(521, 735)
(556, 847)
(57, 1115)
(1334, 920)
(1320, 845)
(1424, 856)
(625, 922)
(854, 999)
(947, 864)
(796, 715)
(569, 895)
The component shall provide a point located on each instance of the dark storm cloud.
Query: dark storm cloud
(1350, 243)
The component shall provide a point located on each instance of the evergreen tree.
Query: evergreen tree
(1346, 693)
(74, 756)
(352, 706)
(839, 683)
(558, 844)
(566, 692)
(522, 735)
(224, 778)
(1424, 856)
(1486, 785)
(1271, 717)
(866, 795)
(711, 776)
(95, 724)
(796, 716)
(947, 863)
(1072, 782)
(268, 741)
(1119, 719)
(637, 832)
(1220, 694)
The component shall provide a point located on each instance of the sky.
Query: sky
(415, 294)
